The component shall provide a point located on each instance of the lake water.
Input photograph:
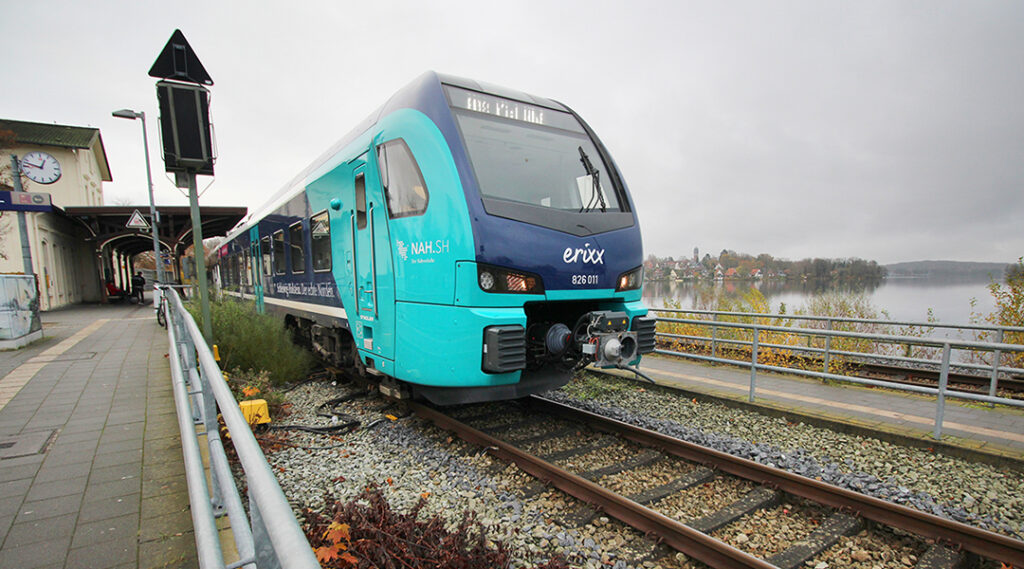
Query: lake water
(905, 299)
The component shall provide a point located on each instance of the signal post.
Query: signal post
(187, 140)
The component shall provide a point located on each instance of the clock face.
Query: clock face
(40, 167)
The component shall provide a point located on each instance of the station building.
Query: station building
(60, 246)
(80, 244)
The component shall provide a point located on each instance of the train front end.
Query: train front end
(555, 284)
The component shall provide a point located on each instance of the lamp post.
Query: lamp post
(130, 114)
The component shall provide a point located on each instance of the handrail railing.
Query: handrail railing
(754, 342)
(270, 537)
(811, 317)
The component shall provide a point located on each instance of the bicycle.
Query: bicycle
(161, 309)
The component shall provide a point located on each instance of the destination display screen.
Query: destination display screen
(510, 109)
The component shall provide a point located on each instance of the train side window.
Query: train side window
(265, 252)
(297, 247)
(279, 264)
(320, 235)
(247, 268)
(402, 180)
(361, 201)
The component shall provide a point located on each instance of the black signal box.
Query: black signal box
(608, 321)
(185, 127)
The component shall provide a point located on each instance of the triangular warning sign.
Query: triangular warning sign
(179, 62)
(136, 221)
(320, 229)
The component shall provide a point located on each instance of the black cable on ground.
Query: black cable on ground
(282, 443)
(314, 377)
(637, 372)
(297, 385)
(351, 425)
(373, 424)
(332, 403)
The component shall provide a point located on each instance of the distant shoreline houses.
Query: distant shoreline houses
(687, 270)
(732, 266)
(737, 267)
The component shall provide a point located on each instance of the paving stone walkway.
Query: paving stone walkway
(91, 471)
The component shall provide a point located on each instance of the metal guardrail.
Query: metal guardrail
(755, 330)
(715, 314)
(270, 536)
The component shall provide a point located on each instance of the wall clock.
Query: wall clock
(41, 167)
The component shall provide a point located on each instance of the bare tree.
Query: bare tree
(7, 140)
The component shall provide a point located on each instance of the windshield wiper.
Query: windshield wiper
(595, 195)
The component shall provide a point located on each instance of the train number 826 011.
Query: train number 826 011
(585, 279)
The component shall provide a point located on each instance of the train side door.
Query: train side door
(256, 267)
(374, 278)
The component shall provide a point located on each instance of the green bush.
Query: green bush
(255, 342)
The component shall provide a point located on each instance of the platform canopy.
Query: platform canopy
(109, 223)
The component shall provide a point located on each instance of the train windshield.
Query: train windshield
(534, 163)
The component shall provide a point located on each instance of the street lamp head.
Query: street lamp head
(154, 215)
(127, 114)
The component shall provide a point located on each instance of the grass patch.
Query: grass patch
(253, 342)
(585, 385)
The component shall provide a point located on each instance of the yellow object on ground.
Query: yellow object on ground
(255, 411)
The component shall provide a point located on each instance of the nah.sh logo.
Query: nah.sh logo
(587, 255)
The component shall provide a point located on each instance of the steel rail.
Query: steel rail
(985, 543)
(1008, 384)
(677, 535)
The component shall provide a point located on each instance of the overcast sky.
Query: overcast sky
(891, 131)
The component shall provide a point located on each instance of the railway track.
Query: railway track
(1012, 387)
(1009, 387)
(552, 442)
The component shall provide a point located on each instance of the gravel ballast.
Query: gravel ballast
(968, 492)
(409, 459)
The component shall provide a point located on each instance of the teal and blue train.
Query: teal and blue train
(464, 243)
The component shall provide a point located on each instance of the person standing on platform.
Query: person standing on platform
(137, 283)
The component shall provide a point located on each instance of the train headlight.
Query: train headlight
(630, 280)
(499, 280)
(486, 280)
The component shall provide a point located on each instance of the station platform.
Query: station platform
(907, 417)
(91, 471)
